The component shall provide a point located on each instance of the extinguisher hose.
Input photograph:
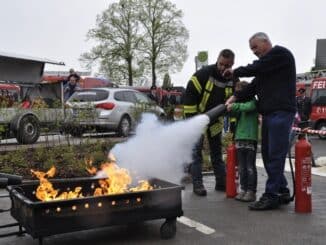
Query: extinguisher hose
(292, 174)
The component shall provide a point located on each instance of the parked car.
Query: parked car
(107, 110)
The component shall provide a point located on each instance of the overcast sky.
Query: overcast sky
(56, 29)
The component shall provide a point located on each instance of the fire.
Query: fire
(46, 192)
(118, 180)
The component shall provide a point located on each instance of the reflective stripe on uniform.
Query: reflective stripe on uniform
(229, 84)
(228, 92)
(196, 84)
(219, 84)
(208, 89)
(233, 119)
(189, 109)
(217, 127)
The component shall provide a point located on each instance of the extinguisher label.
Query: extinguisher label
(309, 190)
(306, 175)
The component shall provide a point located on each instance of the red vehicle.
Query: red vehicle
(318, 103)
(84, 82)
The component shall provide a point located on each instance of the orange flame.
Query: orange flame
(46, 192)
(117, 181)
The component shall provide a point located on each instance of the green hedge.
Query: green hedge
(70, 161)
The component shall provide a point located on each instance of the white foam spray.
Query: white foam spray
(160, 150)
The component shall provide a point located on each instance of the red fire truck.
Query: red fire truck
(318, 103)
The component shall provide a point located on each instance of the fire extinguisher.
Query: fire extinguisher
(303, 165)
(231, 171)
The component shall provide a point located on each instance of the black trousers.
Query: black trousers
(215, 145)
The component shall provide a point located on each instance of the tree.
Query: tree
(167, 81)
(165, 36)
(117, 33)
(136, 38)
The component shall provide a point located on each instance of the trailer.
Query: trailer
(47, 104)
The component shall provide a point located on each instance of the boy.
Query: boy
(246, 136)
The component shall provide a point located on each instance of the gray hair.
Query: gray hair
(261, 36)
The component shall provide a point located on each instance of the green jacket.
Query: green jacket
(247, 120)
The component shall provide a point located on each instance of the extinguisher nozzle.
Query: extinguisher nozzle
(216, 112)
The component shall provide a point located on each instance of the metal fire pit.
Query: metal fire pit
(41, 219)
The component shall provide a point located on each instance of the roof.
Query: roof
(22, 69)
(29, 58)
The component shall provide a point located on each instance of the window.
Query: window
(89, 95)
(125, 96)
(119, 96)
(142, 98)
(318, 97)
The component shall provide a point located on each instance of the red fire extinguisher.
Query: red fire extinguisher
(303, 165)
(231, 171)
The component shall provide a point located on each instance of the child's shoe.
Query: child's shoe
(249, 196)
(240, 196)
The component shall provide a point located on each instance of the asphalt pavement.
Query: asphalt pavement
(213, 219)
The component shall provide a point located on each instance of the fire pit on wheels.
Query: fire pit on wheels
(42, 219)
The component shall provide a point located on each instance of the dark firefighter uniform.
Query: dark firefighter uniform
(206, 90)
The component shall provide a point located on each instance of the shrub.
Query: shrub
(69, 160)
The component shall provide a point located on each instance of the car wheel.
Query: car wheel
(322, 126)
(124, 127)
(28, 130)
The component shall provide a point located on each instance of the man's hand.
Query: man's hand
(228, 73)
(230, 100)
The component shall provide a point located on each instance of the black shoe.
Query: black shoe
(266, 202)
(220, 187)
(199, 190)
(284, 196)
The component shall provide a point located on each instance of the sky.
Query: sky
(56, 29)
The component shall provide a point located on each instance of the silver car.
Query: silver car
(107, 110)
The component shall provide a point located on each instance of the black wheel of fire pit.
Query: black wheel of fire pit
(168, 228)
(40, 241)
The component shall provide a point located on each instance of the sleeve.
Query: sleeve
(267, 63)
(193, 94)
(244, 107)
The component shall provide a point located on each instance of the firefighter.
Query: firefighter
(206, 89)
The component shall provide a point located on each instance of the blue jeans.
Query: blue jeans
(226, 124)
(276, 129)
(215, 146)
(247, 168)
